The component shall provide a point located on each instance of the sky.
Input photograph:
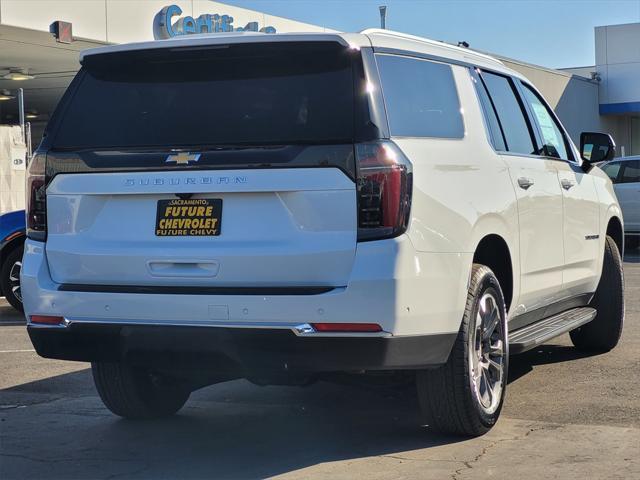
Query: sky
(551, 33)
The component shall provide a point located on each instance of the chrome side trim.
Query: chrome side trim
(303, 329)
(299, 329)
(64, 324)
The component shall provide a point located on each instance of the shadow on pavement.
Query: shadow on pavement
(69, 384)
(520, 365)
(231, 430)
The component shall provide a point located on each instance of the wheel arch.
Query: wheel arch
(493, 251)
(615, 230)
(7, 246)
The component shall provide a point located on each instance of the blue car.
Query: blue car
(12, 235)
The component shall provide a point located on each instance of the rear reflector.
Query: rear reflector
(346, 327)
(47, 320)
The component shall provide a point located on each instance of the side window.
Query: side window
(630, 172)
(554, 142)
(495, 130)
(420, 97)
(514, 125)
(612, 170)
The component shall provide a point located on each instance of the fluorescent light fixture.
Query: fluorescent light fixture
(31, 115)
(18, 76)
(6, 95)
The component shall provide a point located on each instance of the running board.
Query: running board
(531, 336)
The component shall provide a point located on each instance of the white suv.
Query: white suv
(275, 207)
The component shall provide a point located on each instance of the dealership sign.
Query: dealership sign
(165, 27)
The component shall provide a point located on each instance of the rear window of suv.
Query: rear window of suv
(420, 97)
(229, 94)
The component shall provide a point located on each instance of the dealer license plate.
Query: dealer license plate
(189, 217)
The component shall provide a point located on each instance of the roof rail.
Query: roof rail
(427, 41)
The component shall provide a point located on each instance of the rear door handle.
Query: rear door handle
(525, 182)
(566, 183)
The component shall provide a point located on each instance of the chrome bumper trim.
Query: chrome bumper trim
(299, 329)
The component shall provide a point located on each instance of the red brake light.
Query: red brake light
(36, 210)
(384, 182)
(346, 327)
(46, 320)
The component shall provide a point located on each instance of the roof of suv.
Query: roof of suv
(367, 38)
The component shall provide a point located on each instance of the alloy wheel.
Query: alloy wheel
(487, 353)
(14, 279)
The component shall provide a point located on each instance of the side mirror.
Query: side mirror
(596, 147)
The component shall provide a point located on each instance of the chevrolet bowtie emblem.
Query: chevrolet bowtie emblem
(183, 158)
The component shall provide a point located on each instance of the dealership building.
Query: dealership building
(40, 42)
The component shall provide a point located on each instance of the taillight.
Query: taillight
(47, 320)
(384, 182)
(36, 211)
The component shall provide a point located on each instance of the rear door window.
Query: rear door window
(491, 119)
(244, 94)
(517, 134)
(420, 97)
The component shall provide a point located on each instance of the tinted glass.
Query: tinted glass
(495, 131)
(510, 114)
(611, 169)
(420, 97)
(553, 138)
(630, 172)
(239, 94)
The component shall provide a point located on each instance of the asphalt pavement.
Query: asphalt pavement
(567, 415)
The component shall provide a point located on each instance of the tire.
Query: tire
(9, 275)
(137, 393)
(451, 395)
(603, 333)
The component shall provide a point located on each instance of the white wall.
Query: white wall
(119, 21)
(618, 62)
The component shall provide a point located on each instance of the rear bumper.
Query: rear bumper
(417, 298)
(238, 351)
